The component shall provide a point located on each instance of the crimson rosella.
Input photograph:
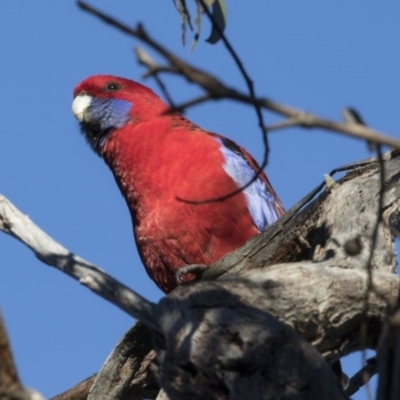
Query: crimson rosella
(165, 166)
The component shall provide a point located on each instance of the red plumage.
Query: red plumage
(158, 161)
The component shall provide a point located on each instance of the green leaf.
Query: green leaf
(197, 21)
(185, 17)
(219, 13)
(208, 2)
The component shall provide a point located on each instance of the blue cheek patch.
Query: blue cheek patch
(109, 113)
(260, 203)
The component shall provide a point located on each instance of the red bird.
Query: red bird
(163, 164)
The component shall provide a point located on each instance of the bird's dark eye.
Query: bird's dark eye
(112, 87)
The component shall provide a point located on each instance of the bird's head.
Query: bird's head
(103, 103)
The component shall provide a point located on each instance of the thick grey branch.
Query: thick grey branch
(125, 374)
(214, 337)
(79, 391)
(214, 345)
(323, 229)
(290, 292)
(313, 232)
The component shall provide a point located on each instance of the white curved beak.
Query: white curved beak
(80, 105)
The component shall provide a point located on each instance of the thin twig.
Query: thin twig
(362, 376)
(211, 84)
(145, 59)
(287, 123)
(217, 90)
(248, 80)
(195, 101)
(164, 90)
(352, 116)
(368, 265)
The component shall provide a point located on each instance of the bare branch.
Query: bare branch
(144, 58)
(352, 116)
(13, 222)
(248, 80)
(79, 391)
(217, 336)
(306, 295)
(362, 376)
(287, 123)
(308, 120)
(317, 232)
(47, 250)
(217, 90)
(221, 318)
(126, 372)
(197, 100)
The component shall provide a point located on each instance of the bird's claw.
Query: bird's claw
(196, 269)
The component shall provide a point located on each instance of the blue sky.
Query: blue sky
(320, 56)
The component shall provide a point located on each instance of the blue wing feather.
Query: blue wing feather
(263, 205)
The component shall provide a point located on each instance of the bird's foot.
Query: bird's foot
(195, 270)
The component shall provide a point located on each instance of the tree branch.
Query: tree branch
(323, 300)
(362, 376)
(217, 90)
(47, 250)
(389, 355)
(248, 80)
(80, 391)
